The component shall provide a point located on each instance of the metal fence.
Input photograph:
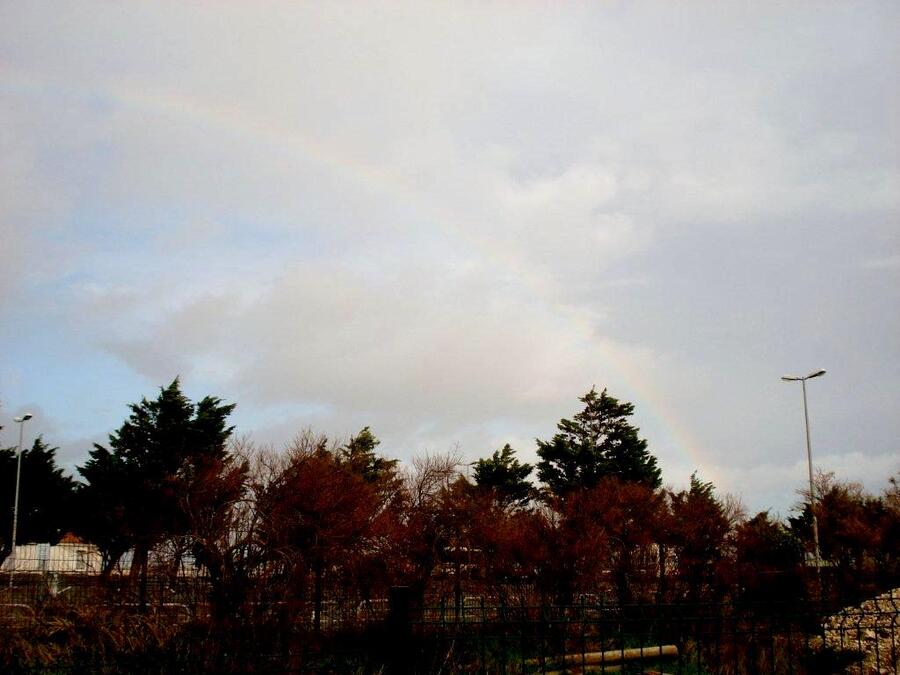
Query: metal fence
(671, 638)
(399, 633)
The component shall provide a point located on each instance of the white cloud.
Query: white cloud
(440, 345)
(777, 485)
(890, 262)
(449, 220)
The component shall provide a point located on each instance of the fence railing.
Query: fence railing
(401, 633)
(775, 637)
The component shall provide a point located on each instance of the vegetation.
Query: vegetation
(597, 443)
(504, 476)
(46, 497)
(134, 491)
(325, 528)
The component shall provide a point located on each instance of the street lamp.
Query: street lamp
(812, 491)
(21, 422)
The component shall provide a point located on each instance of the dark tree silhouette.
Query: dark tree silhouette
(134, 490)
(46, 495)
(504, 476)
(359, 456)
(697, 533)
(597, 443)
(768, 560)
(852, 530)
(220, 520)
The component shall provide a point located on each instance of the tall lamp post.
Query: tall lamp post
(812, 490)
(12, 558)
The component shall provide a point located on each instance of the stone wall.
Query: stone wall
(871, 629)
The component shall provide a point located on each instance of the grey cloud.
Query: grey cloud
(440, 342)
(890, 262)
(432, 219)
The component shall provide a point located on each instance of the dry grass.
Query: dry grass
(92, 638)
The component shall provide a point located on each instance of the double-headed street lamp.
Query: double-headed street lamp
(12, 559)
(812, 490)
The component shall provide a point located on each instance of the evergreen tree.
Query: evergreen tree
(45, 494)
(105, 502)
(136, 488)
(598, 442)
(360, 457)
(505, 476)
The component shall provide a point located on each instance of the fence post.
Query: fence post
(399, 625)
(481, 635)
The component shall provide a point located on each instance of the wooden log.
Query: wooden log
(576, 670)
(612, 656)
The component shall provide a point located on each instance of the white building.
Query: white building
(69, 556)
(73, 556)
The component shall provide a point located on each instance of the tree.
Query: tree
(319, 512)
(221, 518)
(422, 530)
(103, 501)
(45, 494)
(844, 533)
(606, 533)
(851, 530)
(359, 456)
(598, 442)
(370, 567)
(698, 532)
(768, 560)
(135, 489)
(504, 476)
(890, 529)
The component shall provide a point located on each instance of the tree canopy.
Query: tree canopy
(135, 489)
(45, 494)
(504, 476)
(324, 517)
(596, 443)
(360, 456)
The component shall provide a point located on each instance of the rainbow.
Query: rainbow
(656, 406)
(378, 180)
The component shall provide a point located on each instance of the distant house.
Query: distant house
(70, 556)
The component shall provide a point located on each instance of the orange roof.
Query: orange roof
(70, 538)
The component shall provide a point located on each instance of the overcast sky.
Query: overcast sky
(448, 221)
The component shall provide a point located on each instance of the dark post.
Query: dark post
(399, 625)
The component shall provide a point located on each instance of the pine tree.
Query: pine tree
(135, 489)
(505, 476)
(359, 456)
(45, 495)
(598, 442)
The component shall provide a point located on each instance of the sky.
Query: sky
(448, 221)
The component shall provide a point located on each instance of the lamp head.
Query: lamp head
(798, 378)
(23, 418)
